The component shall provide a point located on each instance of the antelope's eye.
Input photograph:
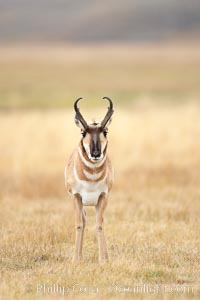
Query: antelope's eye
(105, 133)
(83, 133)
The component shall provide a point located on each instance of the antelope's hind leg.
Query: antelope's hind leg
(100, 208)
(80, 220)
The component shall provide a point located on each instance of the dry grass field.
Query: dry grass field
(152, 221)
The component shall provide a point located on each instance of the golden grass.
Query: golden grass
(152, 220)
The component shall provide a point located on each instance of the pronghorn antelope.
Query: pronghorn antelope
(88, 177)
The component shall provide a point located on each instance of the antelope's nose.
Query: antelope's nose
(96, 154)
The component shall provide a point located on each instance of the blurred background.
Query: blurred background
(54, 51)
(145, 55)
(94, 21)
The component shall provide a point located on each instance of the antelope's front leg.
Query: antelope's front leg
(79, 227)
(100, 208)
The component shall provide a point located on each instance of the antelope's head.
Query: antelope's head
(94, 135)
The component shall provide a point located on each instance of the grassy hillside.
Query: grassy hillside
(52, 77)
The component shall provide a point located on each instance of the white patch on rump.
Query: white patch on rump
(89, 191)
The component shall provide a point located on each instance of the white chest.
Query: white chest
(89, 191)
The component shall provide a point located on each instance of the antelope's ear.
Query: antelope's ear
(78, 123)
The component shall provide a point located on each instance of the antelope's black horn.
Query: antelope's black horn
(78, 115)
(75, 104)
(109, 112)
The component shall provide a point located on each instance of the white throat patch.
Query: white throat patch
(92, 165)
